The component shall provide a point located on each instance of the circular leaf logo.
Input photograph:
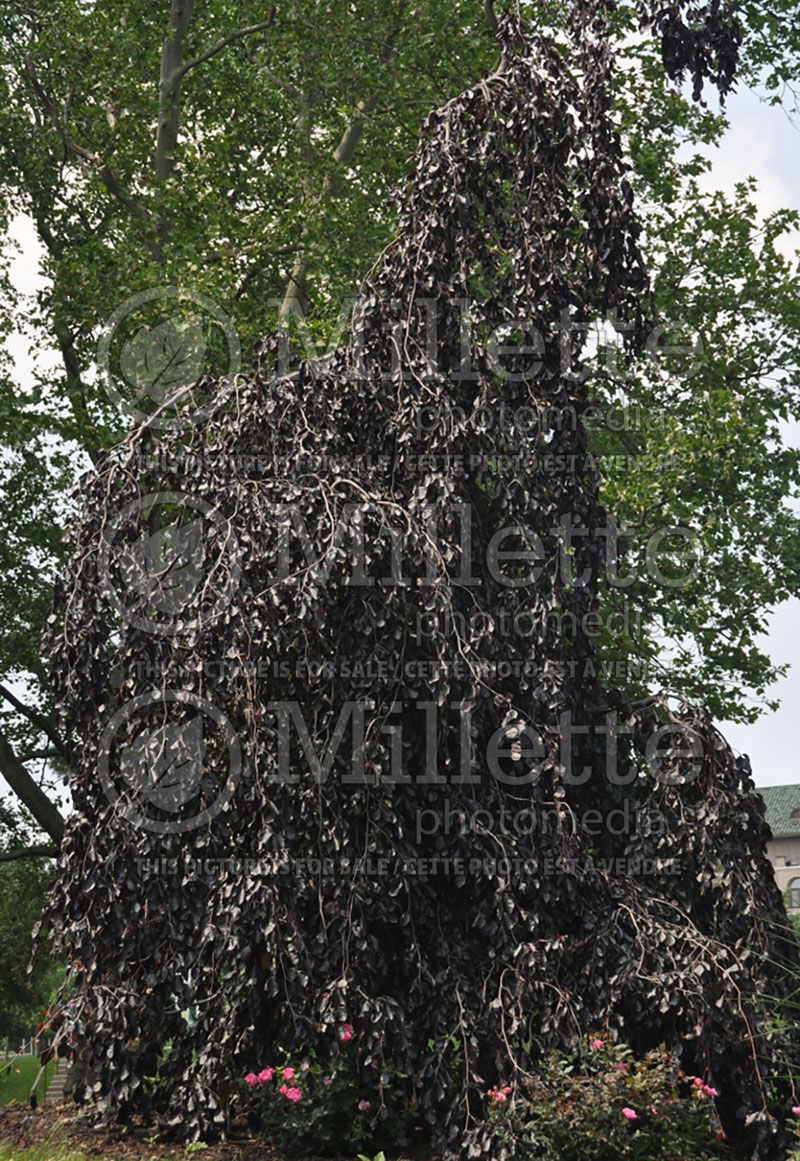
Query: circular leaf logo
(157, 346)
(169, 761)
(169, 563)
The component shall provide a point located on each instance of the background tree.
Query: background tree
(253, 165)
(23, 891)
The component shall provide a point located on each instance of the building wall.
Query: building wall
(784, 854)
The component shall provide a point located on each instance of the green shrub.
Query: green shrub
(303, 1101)
(604, 1105)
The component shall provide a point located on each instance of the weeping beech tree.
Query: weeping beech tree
(299, 743)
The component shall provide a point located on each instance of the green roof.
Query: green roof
(780, 802)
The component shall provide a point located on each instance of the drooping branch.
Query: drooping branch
(520, 195)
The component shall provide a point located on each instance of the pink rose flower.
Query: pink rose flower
(293, 1094)
(346, 1033)
(597, 1044)
(288, 1073)
(363, 1106)
(796, 1110)
(251, 1079)
(622, 1066)
(711, 1091)
(266, 1075)
(284, 1089)
(326, 1080)
(629, 1114)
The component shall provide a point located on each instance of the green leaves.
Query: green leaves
(158, 360)
(23, 892)
(706, 442)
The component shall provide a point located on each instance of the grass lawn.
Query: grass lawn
(17, 1085)
(39, 1153)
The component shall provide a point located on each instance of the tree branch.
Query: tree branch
(52, 112)
(34, 716)
(32, 795)
(75, 385)
(279, 83)
(105, 173)
(75, 388)
(181, 72)
(259, 266)
(169, 100)
(491, 16)
(344, 151)
(342, 155)
(39, 851)
(173, 69)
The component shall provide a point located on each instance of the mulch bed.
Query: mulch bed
(61, 1125)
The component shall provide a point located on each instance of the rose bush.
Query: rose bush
(338, 1102)
(602, 1104)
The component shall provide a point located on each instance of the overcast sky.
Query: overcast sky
(764, 143)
